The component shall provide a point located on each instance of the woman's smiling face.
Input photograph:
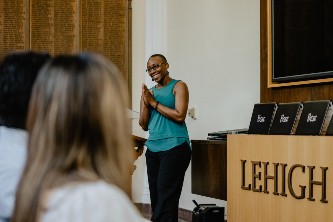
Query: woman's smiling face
(157, 68)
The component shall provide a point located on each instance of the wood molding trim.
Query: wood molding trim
(270, 83)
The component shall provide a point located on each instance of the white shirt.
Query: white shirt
(90, 202)
(13, 151)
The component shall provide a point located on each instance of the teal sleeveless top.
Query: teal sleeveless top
(165, 134)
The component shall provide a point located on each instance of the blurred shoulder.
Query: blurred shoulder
(90, 201)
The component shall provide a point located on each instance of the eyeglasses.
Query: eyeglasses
(154, 67)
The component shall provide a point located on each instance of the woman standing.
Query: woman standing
(163, 111)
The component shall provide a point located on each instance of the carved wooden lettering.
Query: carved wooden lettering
(298, 191)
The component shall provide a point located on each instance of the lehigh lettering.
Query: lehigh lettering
(322, 183)
(274, 178)
(290, 182)
(298, 192)
(255, 176)
(283, 183)
(243, 177)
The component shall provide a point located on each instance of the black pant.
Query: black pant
(166, 171)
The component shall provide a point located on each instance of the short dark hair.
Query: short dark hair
(18, 72)
(161, 56)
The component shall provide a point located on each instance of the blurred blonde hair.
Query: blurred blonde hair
(78, 128)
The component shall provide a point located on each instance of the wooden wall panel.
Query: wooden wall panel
(316, 91)
(209, 168)
(14, 24)
(67, 26)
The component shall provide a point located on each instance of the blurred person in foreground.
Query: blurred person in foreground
(18, 72)
(79, 156)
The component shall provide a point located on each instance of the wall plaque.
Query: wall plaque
(13, 26)
(66, 26)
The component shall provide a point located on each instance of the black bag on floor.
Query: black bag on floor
(207, 213)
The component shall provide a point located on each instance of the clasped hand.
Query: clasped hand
(147, 96)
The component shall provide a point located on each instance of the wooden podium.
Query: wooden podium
(280, 178)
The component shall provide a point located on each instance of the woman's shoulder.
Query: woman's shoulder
(90, 201)
(180, 85)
